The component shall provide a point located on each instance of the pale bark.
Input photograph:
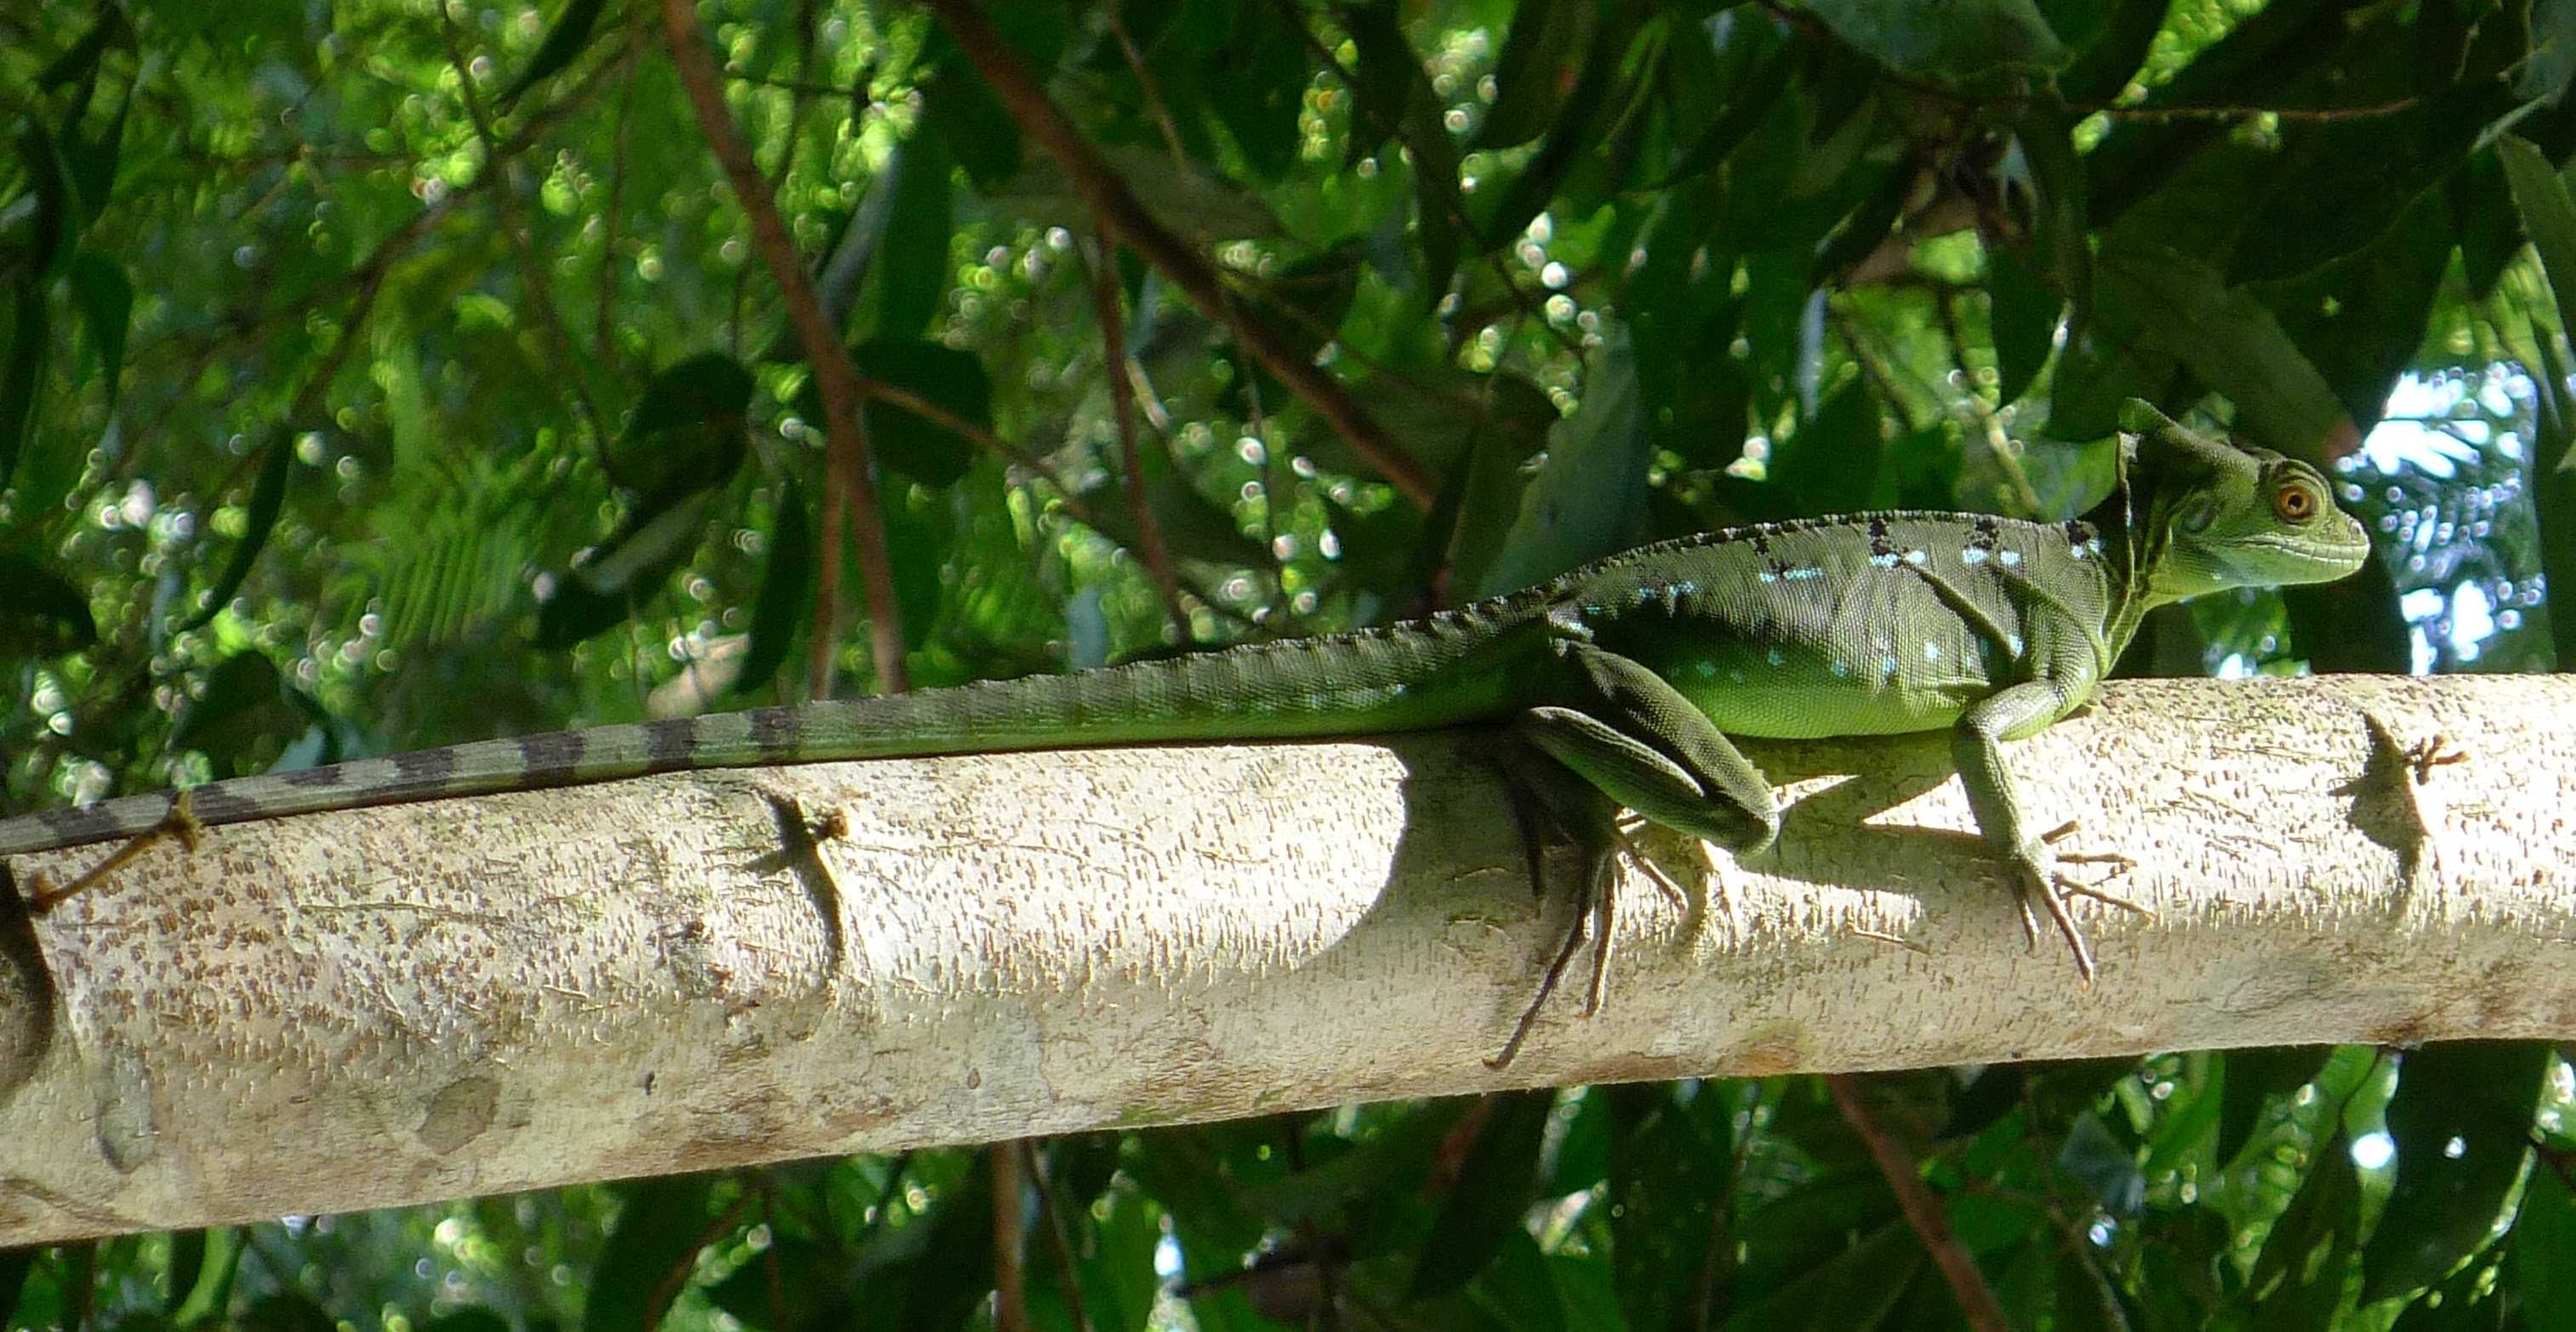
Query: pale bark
(392, 1005)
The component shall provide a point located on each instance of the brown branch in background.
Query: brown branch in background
(1122, 404)
(1922, 1211)
(601, 334)
(1009, 1164)
(1068, 1276)
(1122, 217)
(850, 497)
(505, 207)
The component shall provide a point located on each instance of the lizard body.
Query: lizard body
(1631, 672)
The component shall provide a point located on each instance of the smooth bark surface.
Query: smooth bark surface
(462, 997)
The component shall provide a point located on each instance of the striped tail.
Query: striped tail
(1436, 673)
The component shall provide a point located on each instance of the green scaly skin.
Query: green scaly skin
(1631, 672)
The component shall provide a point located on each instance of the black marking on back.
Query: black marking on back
(2078, 531)
(1879, 545)
(425, 769)
(555, 755)
(670, 743)
(1984, 533)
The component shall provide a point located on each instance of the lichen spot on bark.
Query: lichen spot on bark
(459, 1112)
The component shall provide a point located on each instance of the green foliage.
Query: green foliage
(380, 375)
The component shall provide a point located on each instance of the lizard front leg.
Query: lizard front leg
(1977, 745)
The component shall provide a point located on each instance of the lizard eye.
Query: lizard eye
(2295, 503)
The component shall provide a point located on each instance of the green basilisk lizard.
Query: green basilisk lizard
(1631, 672)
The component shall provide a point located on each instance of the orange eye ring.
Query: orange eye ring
(2295, 504)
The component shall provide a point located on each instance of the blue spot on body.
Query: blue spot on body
(1773, 656)
(2008, 558)
(1914, 557)
(1931, 651)
(1841, 668)
(1708, 670)
(1972, 555)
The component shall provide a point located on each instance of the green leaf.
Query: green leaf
(267, 501)
(709, 386)
(1672, 1157)
(627, 568)
(1854, 1288)
(1256, 82)
(1189, 198)
(912, 265)
(22, 375)
(1493, 1190)
(2547, 214)
(42, 613)
(1502, 214)
(2484, 219)
(289, 1311)
(79, 61)
(106, 302)
(786, 591)
(1862, 230)
(960, 108)
(563, 42)
(1835, 460)
(911, 445)
(14, 1264)
(475, 1319)
(2254, 1080)
(2345, 183)
(2544, 1250)
(2237, 347)
(649, 1254)
(1963, 42)
(1744, 112)
(1538, 66)
(686, 434)
(2025, 316)
(2361, 318)
(2301, 1272)
(1588, 498)
(2462, 1120)
(2185, 1129)
(2110, 59)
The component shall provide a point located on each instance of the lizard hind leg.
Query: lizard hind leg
(1548, 799)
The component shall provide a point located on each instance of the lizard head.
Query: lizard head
(2215, 515)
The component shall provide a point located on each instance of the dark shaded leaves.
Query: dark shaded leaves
(2462, 1120)
(267, 501)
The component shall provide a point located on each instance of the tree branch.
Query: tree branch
(1922, 1210)
(391, 1005)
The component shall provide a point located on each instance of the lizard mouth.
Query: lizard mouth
(2327, 562)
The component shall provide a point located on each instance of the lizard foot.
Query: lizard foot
(2119, 864)
(2044, 886)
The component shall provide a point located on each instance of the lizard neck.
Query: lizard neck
(2131, 550)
